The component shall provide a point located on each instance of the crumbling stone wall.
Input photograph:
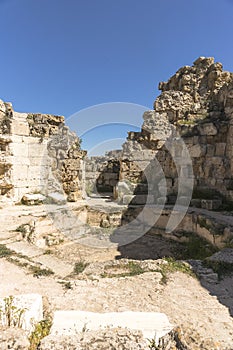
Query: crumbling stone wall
(102, 172)
(5, 164)
(197, 105)
(38, 154)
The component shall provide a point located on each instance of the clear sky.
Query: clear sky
(60, 56)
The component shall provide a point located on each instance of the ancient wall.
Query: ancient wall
(38, 154)
(102, 172)
(196, 104)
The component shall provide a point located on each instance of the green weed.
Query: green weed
(80, 266)
(41, 330)
(5, 252)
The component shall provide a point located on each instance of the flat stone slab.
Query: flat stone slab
(37, 255)
(153, 325)
(31, 306)
(59, 267)
(25, 248)
(8, 237)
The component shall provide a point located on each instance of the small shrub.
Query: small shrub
(152, 344)
(21, 229)
(80, 266)
(48, 252)
(66, 285)
(132, 268)
(38, 271)
(17, 261)
(10, 315)
(5, 252)
(197, 248)
(172, 266)
(41, 330)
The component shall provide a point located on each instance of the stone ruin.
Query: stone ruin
(198, 102)
(40, 155)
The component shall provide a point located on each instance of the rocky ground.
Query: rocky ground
(105, 285)
(136, 277)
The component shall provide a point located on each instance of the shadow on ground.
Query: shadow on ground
(156, 246)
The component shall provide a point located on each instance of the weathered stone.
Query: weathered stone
(33, 199)
(207, 129)
(151, 324)
(211, 204)
(29, 305)
(186, 337)
(13, 339)
(224, 256)
(220, 149)
(109, 339)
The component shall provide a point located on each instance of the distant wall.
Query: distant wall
(102, 173)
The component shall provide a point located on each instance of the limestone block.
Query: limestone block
(211, 204)
(38, 172)
(56, 198)
(32, 307)
(187, 223)
(141, 199)
(74, 196)
(205, 233)
(20, 127)
(220, 149)
(207, 129)
(72, 164)
(19, 149)
(210, 150)
(110, 176)
(37, 149)
(41, 160)
(33, 199)
(19, 172)
(195, 151)
(127, 198)
(152, 325)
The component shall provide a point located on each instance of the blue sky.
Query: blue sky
(60, 56)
